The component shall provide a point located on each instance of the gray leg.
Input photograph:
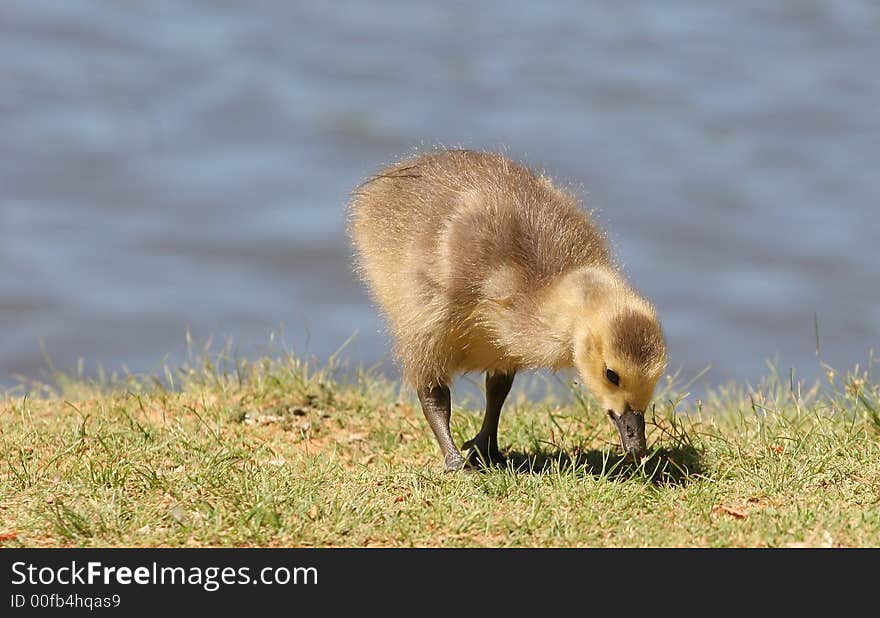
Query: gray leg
(436, 404)
(484, 447)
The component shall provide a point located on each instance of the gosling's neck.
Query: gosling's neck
(541, 331)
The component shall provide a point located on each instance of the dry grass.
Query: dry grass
(276, 453)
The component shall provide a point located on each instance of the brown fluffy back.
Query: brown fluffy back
(441, 234)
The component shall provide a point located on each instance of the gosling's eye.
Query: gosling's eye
(612, 377)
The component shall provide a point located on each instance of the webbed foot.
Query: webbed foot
(482, 451)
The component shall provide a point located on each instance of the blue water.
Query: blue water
(183, 166)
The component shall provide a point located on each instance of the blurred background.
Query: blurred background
(183, 166)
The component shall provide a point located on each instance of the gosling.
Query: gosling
(480, 264)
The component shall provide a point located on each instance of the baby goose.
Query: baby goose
(481, 265)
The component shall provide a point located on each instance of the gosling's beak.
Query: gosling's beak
(631, 428)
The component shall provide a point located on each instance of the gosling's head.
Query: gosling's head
(620, 357)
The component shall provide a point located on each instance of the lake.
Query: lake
(175, 167)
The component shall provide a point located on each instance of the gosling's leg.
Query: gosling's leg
(484, 447)
(437, 405)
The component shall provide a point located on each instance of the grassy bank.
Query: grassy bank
(275, 453)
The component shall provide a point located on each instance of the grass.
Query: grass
(277, 453)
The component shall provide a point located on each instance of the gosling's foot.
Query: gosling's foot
(455, 463)
(482, 451)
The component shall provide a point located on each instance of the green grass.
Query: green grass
(276, 453)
